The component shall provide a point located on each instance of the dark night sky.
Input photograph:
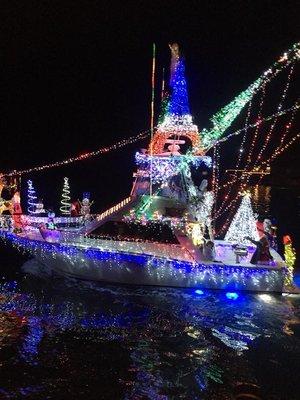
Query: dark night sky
(76, 75)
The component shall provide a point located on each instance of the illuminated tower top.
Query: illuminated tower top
(176, 126)
(179, 103)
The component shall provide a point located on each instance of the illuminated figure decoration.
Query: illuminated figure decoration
(17, 211)
(290, 259)
(50, 221)
(243, 223)
(39, 208)
(65, 208)
(85, 205)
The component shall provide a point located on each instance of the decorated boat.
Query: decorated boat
(162, 233)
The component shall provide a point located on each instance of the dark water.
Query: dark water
(68, 339)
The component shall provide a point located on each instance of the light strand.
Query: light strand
(232, 203)
(239, 156)
(224, 118)
(283, 97)
(295, 107)
(246, 177)
(102, 150)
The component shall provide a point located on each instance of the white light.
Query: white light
(267, 298)
(243, 224)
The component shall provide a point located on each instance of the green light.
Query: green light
(225, 117)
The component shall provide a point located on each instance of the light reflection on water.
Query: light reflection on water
(69, 339)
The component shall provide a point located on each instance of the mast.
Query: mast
(152, 111)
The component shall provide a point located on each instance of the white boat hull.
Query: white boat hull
(122, 268)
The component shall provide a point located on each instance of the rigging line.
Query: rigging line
(102, 150)
(152, 112)
(246, 178)
(238, 163)
(278, 151)
(283, 97)
(266, 162)
(296, 106)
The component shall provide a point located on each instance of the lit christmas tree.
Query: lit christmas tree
(32, 198)
(65, 201)
(243, 223)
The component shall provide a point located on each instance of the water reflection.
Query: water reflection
(63, 338)
(261, 199)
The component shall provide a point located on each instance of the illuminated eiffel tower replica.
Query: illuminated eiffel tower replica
(174, 168)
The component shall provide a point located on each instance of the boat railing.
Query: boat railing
(114, 208)
(97, 219)
(164, 250)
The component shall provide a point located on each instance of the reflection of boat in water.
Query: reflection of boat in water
(154, 236)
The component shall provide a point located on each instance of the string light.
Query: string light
(102, 150)
(238, 159)
(177, 120)
(287, 129)
(31, 198)
(231, 204)
(114, 209)
(241, 179)
(225, 117)
(295, 107)
(164, 167)
(276, 153)
(215, 178)
(245, 177)
(178, 104)
(283, 97)
(289, 56)
(279, 151)
(243, 224)
(119, 256)
(258, 123)
(290, 259)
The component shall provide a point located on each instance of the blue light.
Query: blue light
(209, 275)
(178, 104)
(232, 295)
(199, 291)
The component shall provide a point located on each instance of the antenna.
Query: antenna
(163, 84)
(152, 111)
